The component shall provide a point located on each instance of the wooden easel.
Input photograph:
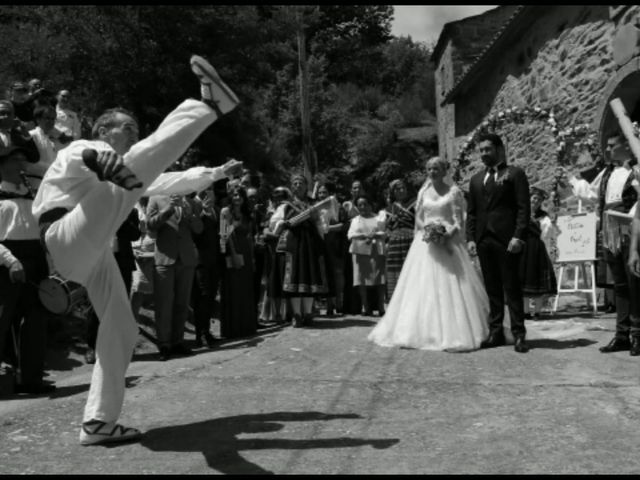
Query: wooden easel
(580, 266)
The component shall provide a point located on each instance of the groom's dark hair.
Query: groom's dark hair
(494, 138)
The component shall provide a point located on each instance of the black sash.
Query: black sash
(47, 218)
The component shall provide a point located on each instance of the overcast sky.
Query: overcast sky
(424, 22)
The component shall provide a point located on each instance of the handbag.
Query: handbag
(360, 247)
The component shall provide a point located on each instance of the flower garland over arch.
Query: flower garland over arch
(581, 136)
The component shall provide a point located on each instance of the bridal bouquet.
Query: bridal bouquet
(434, 232)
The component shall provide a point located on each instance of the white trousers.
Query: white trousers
(79, 244)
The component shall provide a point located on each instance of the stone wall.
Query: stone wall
(444, 79)
(561, 62)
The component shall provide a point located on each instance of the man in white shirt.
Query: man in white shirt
(48, 140)
(79, 213)
(22, 266)
(616, 189)
(67, 121)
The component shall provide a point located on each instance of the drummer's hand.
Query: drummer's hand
(16, 272)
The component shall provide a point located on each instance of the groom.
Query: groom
(497, 218)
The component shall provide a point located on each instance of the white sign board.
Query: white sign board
(577, 238)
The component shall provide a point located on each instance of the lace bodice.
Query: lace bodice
(448, 209)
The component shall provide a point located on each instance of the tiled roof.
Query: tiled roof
(520, 13)
(446, 32)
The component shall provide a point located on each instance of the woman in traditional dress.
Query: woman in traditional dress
(400, 225)
(238, 317)
(305, 275)
(536, 269)
(367, 236)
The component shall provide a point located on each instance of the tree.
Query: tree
(363, 84)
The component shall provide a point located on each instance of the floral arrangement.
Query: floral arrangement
(434, 233)
(580, 136)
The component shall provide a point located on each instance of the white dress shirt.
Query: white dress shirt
(67, 121)
(5, 138)
(16, 220)
(48, 147)
(615, 185)
(590, 191)
(69, 180)
(496, 169)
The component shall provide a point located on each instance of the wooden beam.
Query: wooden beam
(626, 126)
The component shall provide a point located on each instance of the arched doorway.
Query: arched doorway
(625, 85)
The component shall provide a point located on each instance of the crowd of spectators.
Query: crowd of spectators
(249, 255)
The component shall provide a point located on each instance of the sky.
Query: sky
(424, 22)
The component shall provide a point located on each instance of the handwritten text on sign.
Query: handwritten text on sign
(577, 238)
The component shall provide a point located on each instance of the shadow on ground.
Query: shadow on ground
(70, 390)
(218, 440)
(59, 358)
(560, 344)
(330, 323)
(221, 344)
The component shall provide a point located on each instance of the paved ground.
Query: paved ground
(325, 401)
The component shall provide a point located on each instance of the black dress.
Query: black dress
(536, 269)
(239, 317)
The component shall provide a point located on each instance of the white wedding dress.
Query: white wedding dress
(440, 302)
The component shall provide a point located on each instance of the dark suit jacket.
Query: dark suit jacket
(128, 232)
(171, 243)
(505, 212)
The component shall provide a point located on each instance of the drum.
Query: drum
(61, 296)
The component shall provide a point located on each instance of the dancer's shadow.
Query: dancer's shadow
(219, 443)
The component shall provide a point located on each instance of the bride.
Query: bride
(440, 302)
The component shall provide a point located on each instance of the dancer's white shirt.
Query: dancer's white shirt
(68, 179)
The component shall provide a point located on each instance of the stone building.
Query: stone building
(567, 59)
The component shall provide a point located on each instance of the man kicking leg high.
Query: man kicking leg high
(86, 195)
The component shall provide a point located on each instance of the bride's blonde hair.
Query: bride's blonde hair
(444, 165)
